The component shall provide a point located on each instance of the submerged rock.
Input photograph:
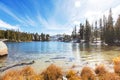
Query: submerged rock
(3, 49)
(58, 58)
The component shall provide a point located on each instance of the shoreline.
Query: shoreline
(44, 64)
(52, 68)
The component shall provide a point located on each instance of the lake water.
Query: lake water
(50, 52)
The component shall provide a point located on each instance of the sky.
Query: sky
(53, 16)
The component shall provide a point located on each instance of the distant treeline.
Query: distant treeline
(105, 30)
(41, 37)
(16, 36)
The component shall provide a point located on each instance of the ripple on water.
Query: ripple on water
(60, 53)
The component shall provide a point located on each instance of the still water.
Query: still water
(68, 52)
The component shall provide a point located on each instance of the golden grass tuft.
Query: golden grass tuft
(75, 78)
(109, 76)
(87, 74)
(12, 75)
(0, 77)
(27, 73)
(55, 73)
(72, 75)
(116, 62)
(100, 70)
(52, 73)
(117, 69)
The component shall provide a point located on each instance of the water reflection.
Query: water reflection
(83, 53)
(94, 54)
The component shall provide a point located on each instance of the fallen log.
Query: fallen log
(2, 69)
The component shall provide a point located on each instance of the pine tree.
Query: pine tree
(74, 34)
(110, 35)
(42, 37)
(47, 37)
(101, 30)
(87, 32)
(96, 31)
(104, 29)
(117, 29)
(81, 31)
(92, 33)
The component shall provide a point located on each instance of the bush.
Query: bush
(109, 76)
(100, 70)
(75, 78)
(116, 61)
(27, 73)
(55, 73)
(87, 74)
(117, 69)
(52, 73)
(12, 75)
(72, 75)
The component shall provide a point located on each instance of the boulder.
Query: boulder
(3, 49)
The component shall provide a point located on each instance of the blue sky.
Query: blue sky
(53, 16)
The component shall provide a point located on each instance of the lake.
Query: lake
(63, 54)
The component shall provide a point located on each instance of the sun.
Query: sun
(77, 3)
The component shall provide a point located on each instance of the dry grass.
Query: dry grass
(116, 60)
(75, 78)
(55, 73)
(87, 74)
(117, 69)
(109, 76)
(100, 70)
(72, 75)
(12, 75)
(52, 73)
(27, 73)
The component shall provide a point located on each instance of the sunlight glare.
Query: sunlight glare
(77, 3)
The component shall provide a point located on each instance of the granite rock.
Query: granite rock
(3, 49)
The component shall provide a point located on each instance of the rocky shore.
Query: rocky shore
(3, 49)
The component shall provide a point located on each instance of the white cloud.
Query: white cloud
(92, 16)
(50, 24)
(77, 3)
(77, 11)
(28, 21)
(5, 9)
(76, 22)
(24, 21)
(95, 9)
(67, 14)
(101, 5)
(8, 26)
(67, 10)
(116, 12)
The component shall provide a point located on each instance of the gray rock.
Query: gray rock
(3, 49)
